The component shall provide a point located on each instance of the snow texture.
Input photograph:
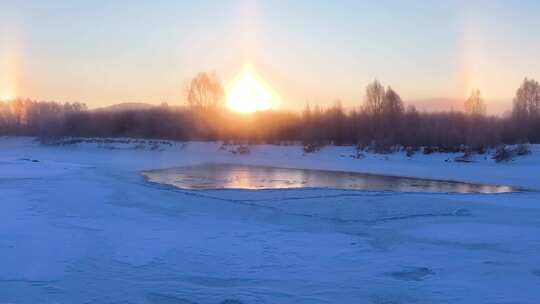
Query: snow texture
(79, 224)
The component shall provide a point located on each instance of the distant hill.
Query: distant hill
(126, 106)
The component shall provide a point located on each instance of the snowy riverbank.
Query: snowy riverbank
(136, 155)
(80, 225)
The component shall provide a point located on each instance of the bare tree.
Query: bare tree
(526, 110)
(392, 118)
(205, 92)
(375, 94)
(527, 100)
(392, 105)
(474, 105)
(336, 120)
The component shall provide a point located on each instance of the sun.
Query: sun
(248, 93)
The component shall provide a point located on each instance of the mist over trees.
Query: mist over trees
(28, 117)
(382, 122)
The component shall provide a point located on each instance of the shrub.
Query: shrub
(428, 150)
(522, 150)
(410, 151)
(465, 158)
(502, 154)
(310, 148)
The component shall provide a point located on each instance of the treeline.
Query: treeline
(381, 123)
(36, 118)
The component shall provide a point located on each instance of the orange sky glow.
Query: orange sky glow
(142, 56)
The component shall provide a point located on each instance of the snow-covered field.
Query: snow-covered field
(79, 224)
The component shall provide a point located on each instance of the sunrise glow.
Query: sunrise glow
(6, 94)
(249, 93)
(9, 59)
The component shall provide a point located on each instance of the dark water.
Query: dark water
(229, 176)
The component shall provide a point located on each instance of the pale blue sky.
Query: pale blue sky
(103, 52)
